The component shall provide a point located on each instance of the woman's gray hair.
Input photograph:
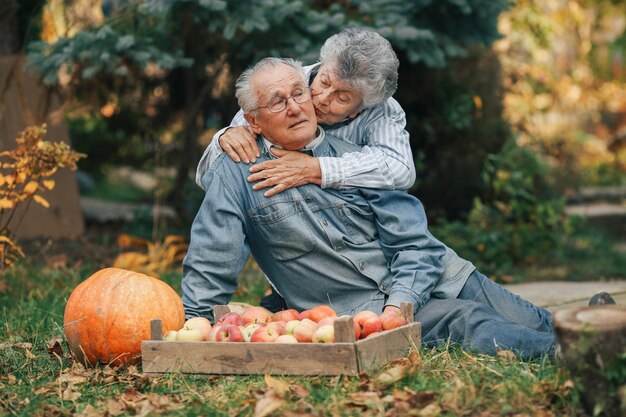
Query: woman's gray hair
(365, 60)
(246, 96)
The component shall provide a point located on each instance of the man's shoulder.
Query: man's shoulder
(227, 170)
(338, 146)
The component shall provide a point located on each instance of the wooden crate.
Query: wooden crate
(345, 357)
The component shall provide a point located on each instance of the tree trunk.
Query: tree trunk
(593, 343)
(9, 35)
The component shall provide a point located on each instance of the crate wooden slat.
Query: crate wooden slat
(345, 357)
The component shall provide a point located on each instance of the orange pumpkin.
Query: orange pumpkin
(108, 315)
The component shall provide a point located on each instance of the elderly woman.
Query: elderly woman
(352, 87)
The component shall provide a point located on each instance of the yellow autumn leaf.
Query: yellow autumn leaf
(49, 184)
(5, 203)
(31, 187)
(39, 199)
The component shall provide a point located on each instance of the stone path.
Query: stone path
(559, 294)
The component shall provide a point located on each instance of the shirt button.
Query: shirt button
(340, 205)
(361, 265)
(383, 288)
(338, 248)
(325, 223)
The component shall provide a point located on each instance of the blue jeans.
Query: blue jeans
(486, 318)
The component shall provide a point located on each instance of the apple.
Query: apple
(229, 333)
(199, 323)
(317, 313)
(286, 338)
(256, 314)
(279, 326)
(391, 319)
(324, 334)
(264, 334)
(286, 315)
(331, 320)
(189, 335)
(213, 332)
(290, 326)
(170, 335)
(304, 330)
(249, 329)
(369, 322)
(231, 318)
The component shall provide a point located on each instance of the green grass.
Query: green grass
(444, 381)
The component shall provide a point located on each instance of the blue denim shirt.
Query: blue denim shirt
(354, 249)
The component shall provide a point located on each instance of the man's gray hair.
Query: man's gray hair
(246, 97)
(365, 60)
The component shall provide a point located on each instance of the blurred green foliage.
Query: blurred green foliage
(519, 219)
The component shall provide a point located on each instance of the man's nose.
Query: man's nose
(292, 106)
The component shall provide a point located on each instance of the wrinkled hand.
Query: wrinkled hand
(240, 144)
(392, 310)
(291, 169)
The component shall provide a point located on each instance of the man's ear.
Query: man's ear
(252, 122)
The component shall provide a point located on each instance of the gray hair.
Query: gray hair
(246, 97)
(365, 60)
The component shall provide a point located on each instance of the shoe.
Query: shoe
(601, 298)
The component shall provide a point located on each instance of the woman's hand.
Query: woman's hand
(240, 144)
(291, 169)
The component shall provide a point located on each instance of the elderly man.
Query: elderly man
(355, 249)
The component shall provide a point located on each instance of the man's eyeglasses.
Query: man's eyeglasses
(278, 104)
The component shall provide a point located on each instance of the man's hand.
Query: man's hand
(392, 309)
(240, 144)
(291, 169)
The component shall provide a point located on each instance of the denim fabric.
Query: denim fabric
(486, 318)
(355, 249)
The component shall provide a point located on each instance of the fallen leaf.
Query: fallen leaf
(55, 350)
(89, 411)
(115, 408)
(70, 394)
(268, 403)
(431, 410)
(391, 375)
(281, 387)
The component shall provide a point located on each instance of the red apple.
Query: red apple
(317, 313)
(231, 318)
(279, 326)
(213, 332)
(264, 334)
(285, 315)
(286, 338)
(256, 314)
(369, 322)
(229, 333)
(304, 330)
(392, 319)
(189, 335)
(249, 329)
(199, 323)
(324, 334)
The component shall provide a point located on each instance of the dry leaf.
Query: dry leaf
(57, 261)
(31, 187)
(281, 387)
(89, 411)
(115, 408)
(49, 184)
(268, 403)
(39, 199)
(431, 410)
(70, 394)
(391, 375)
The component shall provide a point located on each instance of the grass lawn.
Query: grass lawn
(444, 381)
